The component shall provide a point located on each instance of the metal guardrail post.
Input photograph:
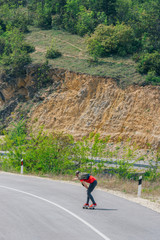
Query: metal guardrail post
(22, 166)
(139, 186)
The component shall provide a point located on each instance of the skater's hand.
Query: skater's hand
(85, 185)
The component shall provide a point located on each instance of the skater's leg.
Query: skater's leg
(87, 199)
(90, 189)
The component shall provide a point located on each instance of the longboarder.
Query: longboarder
(87, 178)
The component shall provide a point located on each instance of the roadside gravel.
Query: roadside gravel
(155, 206)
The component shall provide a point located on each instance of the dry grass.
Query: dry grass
(114, 183)
(149, 189)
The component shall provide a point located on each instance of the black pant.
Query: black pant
(89, 190)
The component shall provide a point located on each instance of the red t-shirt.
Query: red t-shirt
(91, 179)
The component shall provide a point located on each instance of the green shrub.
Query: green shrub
(96, 43)
(52, 53)
(119, 39)
(152, 78)
(42, 76)
(147, 44)
(19, 20)
(57, 21)
(149, 62)
(17, 134)
(16, 62)
(57, 153)
(28, 48)
(126, 43)
(42, 153)
(124, 169)
(96, 49)
(22, 25)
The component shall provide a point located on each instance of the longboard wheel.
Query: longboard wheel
(85, 207)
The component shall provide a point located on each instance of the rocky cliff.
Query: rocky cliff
(78, 104)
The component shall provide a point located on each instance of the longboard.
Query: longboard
(92, 208)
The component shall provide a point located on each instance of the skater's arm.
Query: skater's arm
(84, 184)
(74, 179)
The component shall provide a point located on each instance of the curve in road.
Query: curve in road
(36, 208)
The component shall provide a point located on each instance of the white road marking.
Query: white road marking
(64, 209)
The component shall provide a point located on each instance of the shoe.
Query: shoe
(86, 205)
(92, 206)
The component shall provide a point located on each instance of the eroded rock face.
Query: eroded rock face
(78, 104)
(86, 103)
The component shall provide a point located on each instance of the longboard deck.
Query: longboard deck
(88, 208)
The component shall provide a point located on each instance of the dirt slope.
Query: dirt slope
(79, 104)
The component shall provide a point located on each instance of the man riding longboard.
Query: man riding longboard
(87, 178)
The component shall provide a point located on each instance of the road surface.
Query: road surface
(33, 208)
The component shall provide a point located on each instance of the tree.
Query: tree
(15, 58)
(86, 21)
(58, 6)
(70, 16)
(43, 17)
(150, 22)
(106, 6)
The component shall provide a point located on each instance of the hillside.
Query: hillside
(105, 78)
(76, 58)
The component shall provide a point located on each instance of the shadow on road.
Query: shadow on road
(105, 209)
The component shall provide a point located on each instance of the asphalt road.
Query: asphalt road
(34, 208)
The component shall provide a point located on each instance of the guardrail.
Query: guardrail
(136, 165)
